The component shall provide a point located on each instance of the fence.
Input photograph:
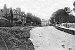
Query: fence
(68, 25)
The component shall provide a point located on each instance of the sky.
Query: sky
(39, 8)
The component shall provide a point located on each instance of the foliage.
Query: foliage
(11, 16)
(5, 23)
(32, 19)
(15, 39)
(61, 16)
(71, 19)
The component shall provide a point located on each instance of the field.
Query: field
(15, 38)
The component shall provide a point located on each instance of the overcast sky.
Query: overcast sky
(40, 8)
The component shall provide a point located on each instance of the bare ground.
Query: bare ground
(50, 38)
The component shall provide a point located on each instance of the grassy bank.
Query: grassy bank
(15, 38)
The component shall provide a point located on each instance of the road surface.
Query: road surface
(50, 38)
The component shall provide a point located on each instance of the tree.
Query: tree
(71, 19)
(60, 16)
(32, 19)
(28, 17)
(37, 20)
(11, 16)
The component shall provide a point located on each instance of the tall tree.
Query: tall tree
(32, 19)
(60, 16)
(11, 16)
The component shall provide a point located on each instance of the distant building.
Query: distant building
(5, 11)
(45, 22)
(17, 13)
(18, 9)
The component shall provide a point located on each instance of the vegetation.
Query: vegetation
(61, 16)
(33, 20)
(15, 39)
(5, 23)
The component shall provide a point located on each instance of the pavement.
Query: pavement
(50, 38)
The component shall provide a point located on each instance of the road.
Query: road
(50, 38)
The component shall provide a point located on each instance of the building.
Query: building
(45, 22)
(20, 15)
(5, 11)
(17, 13)
(18, 9)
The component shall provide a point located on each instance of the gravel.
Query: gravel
(50, 38)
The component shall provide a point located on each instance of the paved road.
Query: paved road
(50, 38)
